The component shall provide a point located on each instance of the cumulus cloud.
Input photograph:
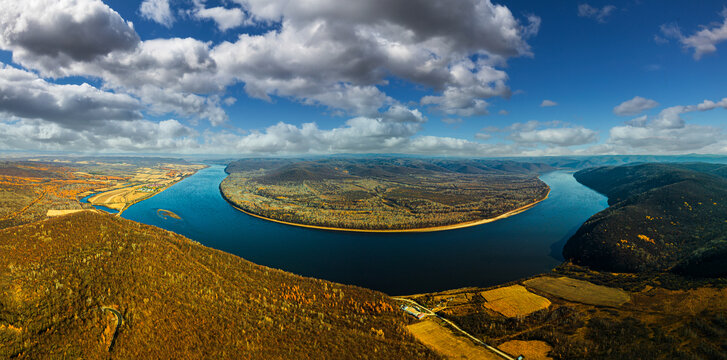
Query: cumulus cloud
(483, 136)
(106, 136)
(24, 95)
(48, 32)
(668, 132)
(329, 53)
(690, 138)
(634, 106)
(327, 47)
(158, 11)
(225, 18)
(701, 42)
(548, 103)
(40, 115)
(169, 75)
(565, 136)
(599, 14)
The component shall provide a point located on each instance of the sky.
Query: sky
(427, 77)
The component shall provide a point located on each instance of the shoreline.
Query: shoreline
(130, 204)
(415, 230)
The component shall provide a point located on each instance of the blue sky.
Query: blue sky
(254, 77)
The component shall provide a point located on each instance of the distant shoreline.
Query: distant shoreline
(415, 230)
(134, 202)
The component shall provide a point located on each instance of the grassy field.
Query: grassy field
(513, 301)
(579, 290)
(52, 213)
(532, 350)
(444, 342)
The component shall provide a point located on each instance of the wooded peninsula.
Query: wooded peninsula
(383, 194)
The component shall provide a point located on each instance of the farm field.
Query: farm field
(592, 314)
(579, 290)
(512, 301)
(440, 339)
(532, 350)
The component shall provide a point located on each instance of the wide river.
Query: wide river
(403, 263)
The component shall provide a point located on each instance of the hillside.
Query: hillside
(383, 194)
(662, 217)
(178, 299)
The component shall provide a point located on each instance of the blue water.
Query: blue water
(100, 207)
(484, 255)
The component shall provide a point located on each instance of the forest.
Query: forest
(178, 299)
(663, 217)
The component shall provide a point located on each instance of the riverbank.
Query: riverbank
(116, 201)
(415, 230)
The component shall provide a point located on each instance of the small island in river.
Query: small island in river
(383, 194)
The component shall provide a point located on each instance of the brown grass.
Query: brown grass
(532, 350)
(54, 212)
(515, 300)
(579, 291)
(443, 342)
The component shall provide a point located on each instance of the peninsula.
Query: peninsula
(383, 194)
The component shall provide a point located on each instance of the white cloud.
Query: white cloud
(49, 32)
(566, 136)
(710, 105)
(328, 53)
(668, 132)
(106, 136)
(703, 41)
(638, 121)
(503, 112)
(690, 138)
(634, 106)
(599, 14)
(24, 95)
(328, 46)
(225, 18)
(158, 11)
(548, 103)
(483, 136)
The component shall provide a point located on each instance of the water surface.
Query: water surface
(404, 263)
(100, 207)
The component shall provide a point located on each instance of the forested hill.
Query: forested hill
(178, 299)
(662, 217)
(390, 166)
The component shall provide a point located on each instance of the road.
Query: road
(476, 340)
(119, 321)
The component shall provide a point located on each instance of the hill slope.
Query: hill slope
(178, 299)
(662, 217)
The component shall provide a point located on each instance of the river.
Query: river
(403, 263)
